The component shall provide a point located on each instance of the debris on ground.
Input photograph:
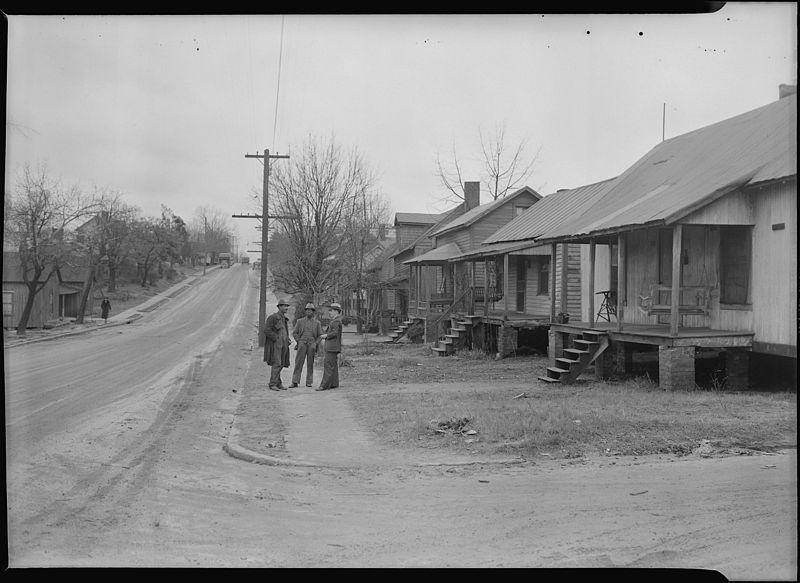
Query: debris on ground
(452, 425)
(521, 396)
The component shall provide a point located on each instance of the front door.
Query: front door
(522, 277)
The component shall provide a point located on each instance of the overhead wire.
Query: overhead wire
(278, 87)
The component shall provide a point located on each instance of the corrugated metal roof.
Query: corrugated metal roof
(488, 250)
(549, 212)
(444, 218)
(437, 254)
(416, 218)
(473, 215)
(684, 173)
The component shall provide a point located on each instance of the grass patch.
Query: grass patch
(633, 417)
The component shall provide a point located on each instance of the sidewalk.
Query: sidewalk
(307, 428)
(125, 317)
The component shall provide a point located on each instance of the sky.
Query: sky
(163, 109)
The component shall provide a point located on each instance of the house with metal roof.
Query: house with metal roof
(703, 230)
(413, 235)
(441, 284)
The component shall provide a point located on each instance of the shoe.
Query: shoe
(273, 388)
(309, 386)
(320, 389)
(293, 385)
(281, 388)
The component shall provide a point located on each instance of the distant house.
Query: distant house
(411, 233)
(449, 282)
(704, 232)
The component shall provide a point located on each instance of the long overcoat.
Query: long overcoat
(276, 340)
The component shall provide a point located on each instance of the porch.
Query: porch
(677, 353)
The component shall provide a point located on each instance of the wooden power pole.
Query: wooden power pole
(262, 304)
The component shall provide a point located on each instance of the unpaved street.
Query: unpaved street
(115, 458)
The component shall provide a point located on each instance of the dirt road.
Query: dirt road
(150, 484)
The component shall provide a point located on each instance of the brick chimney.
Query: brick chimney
(786, 90)
(472, 195)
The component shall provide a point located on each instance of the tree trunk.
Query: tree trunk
(87, 288)
(112, 278)
(33, 289)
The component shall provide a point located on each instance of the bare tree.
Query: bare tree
(41, 210)
(362, 224)
(319, 187)
(103, 239)
(504, 169)
(210, 230)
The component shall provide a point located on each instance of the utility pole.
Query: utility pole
(262, 303)
(205, 243)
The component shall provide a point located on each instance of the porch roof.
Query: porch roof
(491, 249)
(436, 255)
(685, 173)
(549, 212)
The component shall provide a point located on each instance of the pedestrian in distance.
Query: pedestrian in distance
(333, 346)
(105, 308)
(307, 332)
(276, 344)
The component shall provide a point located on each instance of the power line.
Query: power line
(278, 88)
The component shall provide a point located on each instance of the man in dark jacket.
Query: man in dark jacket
(333, 346)
(276, 344)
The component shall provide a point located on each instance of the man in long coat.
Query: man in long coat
(306, 333)
(333, 346)
(276, 344)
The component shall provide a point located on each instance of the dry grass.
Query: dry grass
(407, 395)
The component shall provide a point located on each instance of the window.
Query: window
(544, 276)
(735, 254)
(8, 303)
(518, 210)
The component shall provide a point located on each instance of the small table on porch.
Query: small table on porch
(608, 307)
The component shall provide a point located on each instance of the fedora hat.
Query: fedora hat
(310, 306)
(335, 306)
(283, 302)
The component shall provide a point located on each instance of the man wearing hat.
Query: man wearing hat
(276, 344)
(333, 346)
(306, 333)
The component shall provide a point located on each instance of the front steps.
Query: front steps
(576, 359)
(396, 334)
(457, 337)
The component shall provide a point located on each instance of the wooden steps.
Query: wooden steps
(574, 360)
(457, 337)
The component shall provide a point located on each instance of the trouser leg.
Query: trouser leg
(275, 376)
(310, 354)
(299, 360)
(327, 375)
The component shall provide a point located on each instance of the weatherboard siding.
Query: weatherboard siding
(774, 315)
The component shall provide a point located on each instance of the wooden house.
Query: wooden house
(58, 298)
(704, 232)
(444, 282)
(412, 232)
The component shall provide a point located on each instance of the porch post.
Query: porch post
(553, 250)
(505, 283)
(419, 285)
(455, 283)
(485, 287)
(592, 251)
(472, 293)
(622, 278)
(564, 261)
(674, 315)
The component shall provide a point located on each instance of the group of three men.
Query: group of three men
(308, 335)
